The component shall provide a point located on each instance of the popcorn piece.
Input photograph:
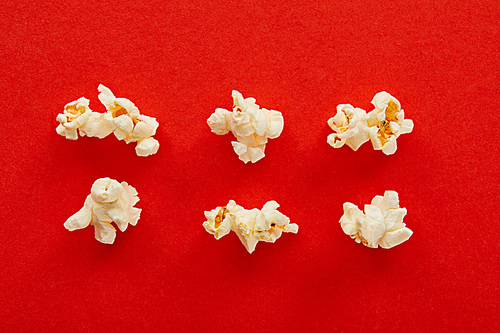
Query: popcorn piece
(109, 201)
(248, 153)
(75, 115)
(350, 127)
(381, 224)
(387, 123)
(251, 226)
(146, 147)
(382, 126)
(250, 124)
(96, 126)
(128, 124)
(219, 223)
(219, 121)
(123, 119)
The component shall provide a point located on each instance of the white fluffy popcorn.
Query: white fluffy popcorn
(383, 125)
(250, 124)
(251, 226)
(122, 118)
(380, 225)
(128, 124)
(350, 127)
(75, 115)
(387, 122)
(109, 201)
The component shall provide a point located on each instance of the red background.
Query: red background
(178, 61)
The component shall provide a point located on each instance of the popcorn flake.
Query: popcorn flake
(75, 115)
(251, 226)
(122, 118)
(383, 125)
(250, 124)
(108, 201)
(380, 225)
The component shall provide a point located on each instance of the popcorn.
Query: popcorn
(251, 226)
(109, 201)
(381, 224)
(350, 127)
(250, 124)
(383, 125)
(247, 153)
(122, 118)
(386, 123)
(75, 115)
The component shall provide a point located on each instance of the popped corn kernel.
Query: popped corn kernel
(122, 118)
(250, 124)
(74, 116)
(251, 226)
(109, 201)
(128, 123)
(382, 126)
(350, 127)
(380, 225)
(387, 122)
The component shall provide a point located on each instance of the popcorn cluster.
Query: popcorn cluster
(380, 225)
(122, 118)
(383, 125)
(109, 201)
(250, 124)
(251, 226)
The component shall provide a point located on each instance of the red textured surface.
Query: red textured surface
(178, 61)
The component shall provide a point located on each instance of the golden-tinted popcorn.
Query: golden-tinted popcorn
(382, 126)
(219, 223)
(122, 118)
(128, 124)
(75, 115)
(251, 226)
(250, 124)
(380, 225)
(109, 201)
(387, 122)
